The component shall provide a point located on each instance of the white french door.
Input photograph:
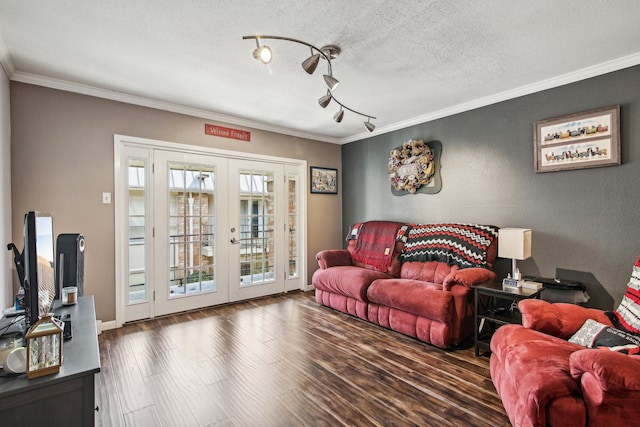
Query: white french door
(256, 229)
(203, 229)
(190, 210)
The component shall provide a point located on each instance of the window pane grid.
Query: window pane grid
(257, 222)
(137, 231)
(292, 241)
(191, 230)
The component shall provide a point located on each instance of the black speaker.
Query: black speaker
(69, 262)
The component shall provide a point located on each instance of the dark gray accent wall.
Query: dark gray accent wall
(586, 223)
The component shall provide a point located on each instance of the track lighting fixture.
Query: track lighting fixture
(264, 54)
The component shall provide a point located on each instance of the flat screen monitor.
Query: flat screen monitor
(39, 265)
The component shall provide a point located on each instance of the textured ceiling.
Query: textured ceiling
(403, 61)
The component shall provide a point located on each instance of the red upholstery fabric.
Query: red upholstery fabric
(468, 277)
(462, 320)
(422, 328)
(342, 303)
(559, 319)
(610, 385)
(420, 298)
(538, 372)
(427, 300)
(333, 258)
(348, 281)
(544, 380)
(430, 271)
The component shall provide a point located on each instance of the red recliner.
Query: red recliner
(544, 380)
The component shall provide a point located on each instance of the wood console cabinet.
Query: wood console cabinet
(68, 397)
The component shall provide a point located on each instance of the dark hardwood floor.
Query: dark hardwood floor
(286, 361)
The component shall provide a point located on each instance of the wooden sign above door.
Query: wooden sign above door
(223, 132)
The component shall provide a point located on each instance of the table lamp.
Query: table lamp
(514, 243)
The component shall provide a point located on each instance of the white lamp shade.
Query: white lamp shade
(514, 243)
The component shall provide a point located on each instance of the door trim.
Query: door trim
(120, 238)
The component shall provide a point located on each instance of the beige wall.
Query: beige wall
(6, 261)
(62, 161)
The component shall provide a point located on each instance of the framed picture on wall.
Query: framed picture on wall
(577, 141)
(324, 180)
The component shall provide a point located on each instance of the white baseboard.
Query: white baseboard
(105, 326)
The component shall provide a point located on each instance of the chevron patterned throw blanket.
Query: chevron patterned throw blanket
(462, 244)
(627, 315)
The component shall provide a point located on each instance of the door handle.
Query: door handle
(234, 241)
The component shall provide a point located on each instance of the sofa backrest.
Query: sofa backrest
(427, 271)
(436, 249)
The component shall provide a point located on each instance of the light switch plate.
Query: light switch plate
(106, 198)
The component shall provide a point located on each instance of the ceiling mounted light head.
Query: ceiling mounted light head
(310, 64)
(330, 52)
(370, 126)
(262, 53)
(332, 82)
(325, 100)
(339, 115)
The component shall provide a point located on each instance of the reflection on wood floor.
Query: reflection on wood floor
(286, 361)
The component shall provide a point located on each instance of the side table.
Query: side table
(486, 310)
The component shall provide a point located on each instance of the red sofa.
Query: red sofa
(545, 380)
(430, 300)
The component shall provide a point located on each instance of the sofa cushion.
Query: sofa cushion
(423, 299)
(558, 319)
(593, 334)
(627, 315)
(347, 280)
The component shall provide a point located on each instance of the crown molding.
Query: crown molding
(575, 76)
(5, 59)
(83, 89)
(582, 74)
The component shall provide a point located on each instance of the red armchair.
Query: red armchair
(544, 380)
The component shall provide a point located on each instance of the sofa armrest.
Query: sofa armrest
(468, 277)
(558, 319)
(612, 372)
(333, 257)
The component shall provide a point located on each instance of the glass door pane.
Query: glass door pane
(134, 228)
(256, 229)
(190, 252)
(137, 232)
(292, 222)
(257, 222)
(191, 225)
